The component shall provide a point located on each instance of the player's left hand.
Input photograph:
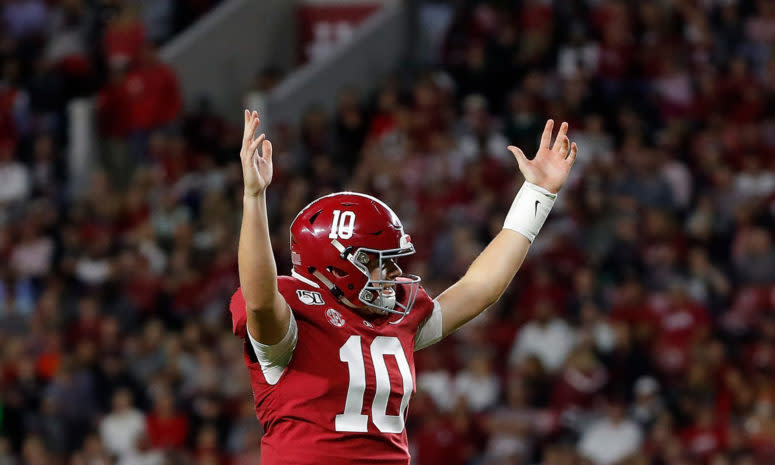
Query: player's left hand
(551, 165)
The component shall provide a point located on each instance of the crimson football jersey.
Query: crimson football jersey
(342, 398)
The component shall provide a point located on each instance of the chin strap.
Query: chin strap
(332, 287)
(343, 251)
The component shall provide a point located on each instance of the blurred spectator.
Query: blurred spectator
(648, 405)
(70, 392)
(14, 178)
(158, 18)
(50, 425)
(93, 452)
(478, 139)
(580, 384)
(35, 452)
(706, 283)
(6, 455)
(32, 256)
(167, 429)
(123, 426)
(435, 380)
(442, 439)
(124, 37)
(477, 383)
(25, 19)
(350, 128)
(559, 454)
(142, 454)
(547, 337)
(754, 257)
(611, 439)
(512, 426)
(706, 436)
(596, 329)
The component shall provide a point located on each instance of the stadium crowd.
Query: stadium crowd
(641, 330)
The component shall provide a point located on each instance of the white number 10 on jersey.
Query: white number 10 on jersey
(352, 420)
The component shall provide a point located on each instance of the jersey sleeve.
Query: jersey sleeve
(430, 330)
(275, 357)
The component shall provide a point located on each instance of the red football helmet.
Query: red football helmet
(336, 237)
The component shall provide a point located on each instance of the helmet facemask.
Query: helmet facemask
(373, 294)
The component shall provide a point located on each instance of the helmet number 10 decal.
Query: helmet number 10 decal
(343, 225)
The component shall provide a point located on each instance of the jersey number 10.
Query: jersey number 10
(352, 420)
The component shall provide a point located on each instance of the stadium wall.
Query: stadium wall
(377, 48)
(220, 55)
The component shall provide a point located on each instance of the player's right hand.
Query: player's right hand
(256, 167)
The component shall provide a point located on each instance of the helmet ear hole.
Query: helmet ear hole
(337, 271)
(315, 216)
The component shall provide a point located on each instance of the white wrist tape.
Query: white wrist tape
(529, 210)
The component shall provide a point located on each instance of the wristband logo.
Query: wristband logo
(535, 213)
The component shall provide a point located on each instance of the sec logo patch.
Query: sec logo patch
(335, 318)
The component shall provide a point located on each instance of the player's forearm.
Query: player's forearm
(484, 282)
(500, 261)
(257, 268)
(495, 267)
(490, 274)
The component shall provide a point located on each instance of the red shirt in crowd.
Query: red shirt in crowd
(112, 115)
(124, 41)
(703, 441)
(441, 443)
(153, 96)
(7, 126)
(167, 432)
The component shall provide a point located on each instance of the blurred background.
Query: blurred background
(640, 331)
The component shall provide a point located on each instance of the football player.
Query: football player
(330, 349)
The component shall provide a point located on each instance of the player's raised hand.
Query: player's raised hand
(551, 165)
(256, 167)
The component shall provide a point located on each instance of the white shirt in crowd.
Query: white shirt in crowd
(438, 384)
(14, 182)
(550, 342)
(33, 258)
(480, 392)
(606, 442)
(153, 457)
(119, 431)
(759, 184)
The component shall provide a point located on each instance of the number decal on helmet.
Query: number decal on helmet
(343, 225)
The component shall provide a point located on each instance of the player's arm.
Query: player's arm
(490, 274)
(268, 313)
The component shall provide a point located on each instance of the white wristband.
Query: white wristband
(529, 210)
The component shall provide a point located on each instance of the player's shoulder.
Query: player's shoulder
(423, 305)
(423, 298)
(301, 293)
